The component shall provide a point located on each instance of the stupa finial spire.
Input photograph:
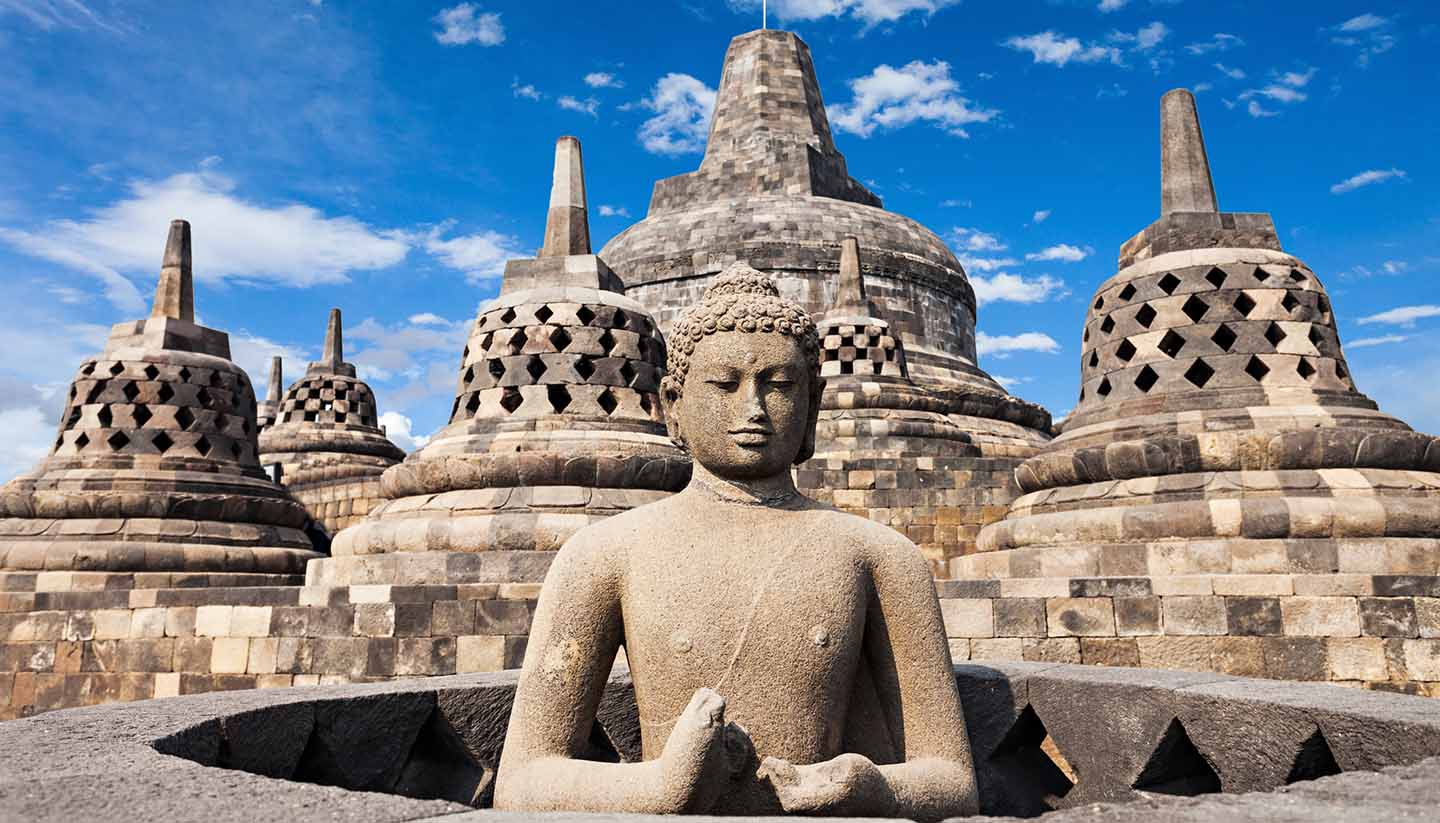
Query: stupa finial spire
(334, 353)
(567, 225)
(850, 289)
(1185, 183)
(175, 294)
(277, 380)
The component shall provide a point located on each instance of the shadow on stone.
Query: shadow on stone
(1032, 771)
(1315, 760)
(1177, 767)
(440, 767)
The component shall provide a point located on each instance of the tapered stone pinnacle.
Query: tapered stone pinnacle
(567, 226)
(850, 289)
(334, 353)
(1185, 184)
(175, 294)
(277, 381)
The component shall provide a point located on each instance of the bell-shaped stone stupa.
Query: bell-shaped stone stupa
(266, 410)
(885, 448)
(327, 439)
(773, 191)
(1218, 428)
(155, 466)
(556, 423)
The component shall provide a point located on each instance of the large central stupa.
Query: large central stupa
(774, 191)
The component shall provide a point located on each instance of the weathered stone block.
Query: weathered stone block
(480, 653)
(1051, 650)
(1105, 651)
(1254, 616)
(1321, 616)
(996, 648)
(1296, 658)
(968, 618)
(1356, 658)
(1422, 659)
(1080, 617)
(1195, 616)
(1137, 615)
(229, 655)
(1019, 617)
(1388, 617)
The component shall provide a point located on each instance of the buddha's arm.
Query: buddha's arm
(573, 640)
(905, 641)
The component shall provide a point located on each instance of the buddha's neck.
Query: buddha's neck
(776, 490)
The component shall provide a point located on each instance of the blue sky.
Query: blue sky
(387, 158)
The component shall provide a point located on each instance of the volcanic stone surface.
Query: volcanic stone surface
(327, 440)
(1218, 428)
(556, 424)
(155, 467)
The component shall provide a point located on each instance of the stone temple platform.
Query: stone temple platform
(1222, 496)
(327, 440)
(1069, 742)
(774, 191)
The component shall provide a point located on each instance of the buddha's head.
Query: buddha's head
(743, 387)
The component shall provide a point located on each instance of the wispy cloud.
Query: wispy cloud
(234, 237)
(1232, 73)
(525, 90)
(464, 24)
(975, 240)
(1040, 216)
(49, 15)
(1403, 316)
(589, 105)
(1058, 49)
(614, 211)
(1286, 90)
(1367, 178)
(603, 80)
(682, 106)
(1003, 345)
(1107, 6)
(1218, 42)
(1063, 252)
(1382, 340)
(1014, 288)
(1368, 34)
(956, 203)
(869, 12)
(892, 98)
(481, 256)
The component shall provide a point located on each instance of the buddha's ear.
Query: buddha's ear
(670, 397)
(807, 446)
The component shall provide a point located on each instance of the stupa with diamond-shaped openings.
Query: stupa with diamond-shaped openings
(1218, 428)
(556, 423)
(154, 469)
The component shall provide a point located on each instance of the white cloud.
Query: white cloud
(1010, 383)
(48, 15)
(1149, 36)
(1369, 34)
(614, 211)
(526, 90)
(1367, 178)
(1012, 288)
(234, 238)
(481, 256)
(1233, 74)
(870, 12)
(954, 203)
(1403, 316)
(464, 24)
(1040, 216)
(1199, 88)
(1107, 6)
(1257, 110)
(428, 319)
(1002, 345)
(975, 240)
(682, 107)
(890, 98)
(603, 80)
(26, 436)
(1056, 49)
(1382, 340)
(252, 353)
(1298, 79)
(589, 105)
(1395, 266)
(1219, 42)
(1063, 252)
(973, 263)
(399, 429)
(1364, 22)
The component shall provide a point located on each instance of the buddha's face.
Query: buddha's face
(745, 410)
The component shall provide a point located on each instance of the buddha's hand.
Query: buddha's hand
(850, 784)
(703, 752)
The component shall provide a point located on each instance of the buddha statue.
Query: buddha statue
(786, 657)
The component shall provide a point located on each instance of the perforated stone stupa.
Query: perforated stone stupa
(773, 191)
(154, 470)
(327, 438)
(1218, 428)
(884, 448)
(556, 423)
